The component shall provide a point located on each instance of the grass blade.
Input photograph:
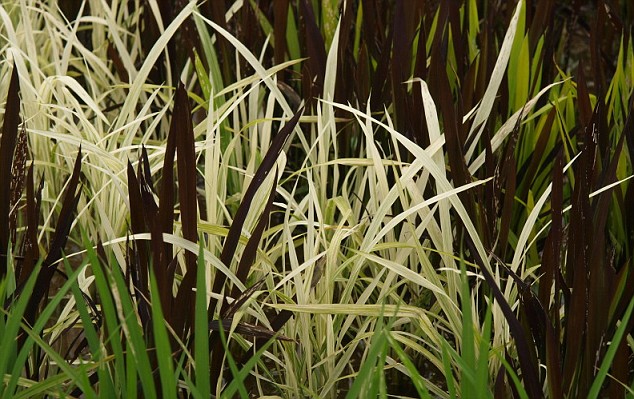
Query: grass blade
(7, 147)
(69, 205)
(251, 249)
(201, 333)
(233, 237)
(315, 45)
(162, 344)
(595, 389)
(497, 75)
(529, 370)
(187, 194)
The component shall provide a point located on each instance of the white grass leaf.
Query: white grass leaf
(81, 92)
(128, 109)
(520, 248)
(425, 204)
(494, 83)
(252, 60)
(446, 229)
(405, 272)
(508, 126)
(424, 157)
(330, 77)
(189, 246)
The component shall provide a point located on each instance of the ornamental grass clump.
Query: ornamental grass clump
(315, 199)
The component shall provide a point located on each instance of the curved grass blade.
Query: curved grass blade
(233, 236)
(251, 249)
(486, 105)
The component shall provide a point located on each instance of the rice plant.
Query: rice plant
(315, 199)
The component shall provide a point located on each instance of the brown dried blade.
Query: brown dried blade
(157, 256)
(453, 133)
(542, 20)
(30, 248)
(314, 45)
(374, 27)
(508, 170)
(469, 85)
(551, 262)
(362, 76)
(380, 92)
(187, 195)
(600, 30)
(346, 65)
(144, 166)
(499, 387)
(532, 307)
(119, 67)
(166, 189)
(577, 263)
(529, 369)
(417, 120)
(139, 287)
(233, 236)
(18, 172)
(403, 28)
(459, 40)
(7, 147)
(620, 369)
(186, 164)
(491, 191)
(438, 50)
(216, 11)
(602, 275)
(138, 250)
(583, 98)
(65, 220)
(251, 249)
(137, 219)
(280, 14)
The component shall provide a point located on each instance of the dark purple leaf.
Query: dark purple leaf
(7, 147)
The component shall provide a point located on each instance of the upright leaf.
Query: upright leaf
(7, 147)
(187, 195)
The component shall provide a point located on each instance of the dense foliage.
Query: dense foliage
(316, 198)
